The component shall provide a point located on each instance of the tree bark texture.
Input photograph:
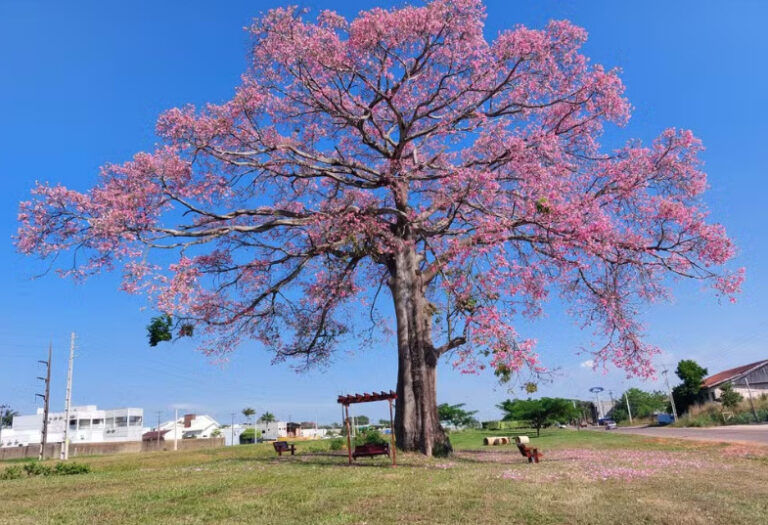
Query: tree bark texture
(417, 425)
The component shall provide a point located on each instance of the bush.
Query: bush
(34, 468)
(13, 472)
(37, 469)
(369, 436)
(69, 469)
(337, 444)
(502, 425)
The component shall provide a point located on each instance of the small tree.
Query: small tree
(539, 412)
(362, 420)
(6, 418)
(455, 415)
(248, 412)
(267, 417)
(643, 404)
(688, 393)
(728, 396)
(249, 435)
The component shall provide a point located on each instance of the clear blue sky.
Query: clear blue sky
(81, 83)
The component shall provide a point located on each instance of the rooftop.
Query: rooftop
(732, 373)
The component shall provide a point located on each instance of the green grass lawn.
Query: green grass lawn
(585, 478)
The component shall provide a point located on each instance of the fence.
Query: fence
(53, 450)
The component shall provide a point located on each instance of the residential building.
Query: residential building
(748, 380)
(87, 424)
(272, 430)
(189, 426)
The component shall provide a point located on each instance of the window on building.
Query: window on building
(121, 421)
(97, 422)
(135, 421)
(84, 423)
(110, 422)
(73, 424)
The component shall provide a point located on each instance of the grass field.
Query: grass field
(585, 478)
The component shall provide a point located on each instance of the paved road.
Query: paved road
(733, 434)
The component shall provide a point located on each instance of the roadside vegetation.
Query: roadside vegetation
(585, 477)
(715, 414)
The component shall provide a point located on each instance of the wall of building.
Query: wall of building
(53, 450)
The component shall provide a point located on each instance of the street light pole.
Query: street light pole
(671, 397)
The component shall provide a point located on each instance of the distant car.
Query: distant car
(609, 424)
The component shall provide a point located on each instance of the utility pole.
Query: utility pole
(176, 430)
(613, 403)
(68, 402)
(232, 428)
(751, 401)
(671, 397)
(157, 428)
(629, 410)
(46, 397)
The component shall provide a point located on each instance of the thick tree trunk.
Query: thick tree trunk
(417, 425)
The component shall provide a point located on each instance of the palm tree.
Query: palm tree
(7, 417)
(248, 412)
(267, 417)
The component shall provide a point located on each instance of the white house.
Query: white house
(748, 380)
(190, 426)
(87, 424)
(273, 430)
(314, 433)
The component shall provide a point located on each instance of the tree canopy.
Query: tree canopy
(402, 152)
(267, 417)
(688, 392)
(643, 404)
(456, 415)
(539, 412)
(248, 412)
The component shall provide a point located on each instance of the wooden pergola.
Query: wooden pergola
(345, 401)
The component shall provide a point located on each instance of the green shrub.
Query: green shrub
(34, 468)
(337, 444)
(13, 472)
(69, 469)
(369, 436)
(37, 469)
(502, 425)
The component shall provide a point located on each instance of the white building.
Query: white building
(273, 430)
(314, 433)
(190, 426)
(231, 434)
(87, 424)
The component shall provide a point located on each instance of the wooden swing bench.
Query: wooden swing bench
(371, 449)
(284, 446)
(532, 454)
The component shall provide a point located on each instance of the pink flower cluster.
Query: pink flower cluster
(619, 464)
(403, 134)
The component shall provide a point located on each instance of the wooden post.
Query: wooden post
(349, 438)
(392, 436)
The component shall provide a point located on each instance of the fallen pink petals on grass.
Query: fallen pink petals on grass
(602, 465)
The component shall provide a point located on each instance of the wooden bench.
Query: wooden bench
(284, 446)
(370, 450)
(532, 454)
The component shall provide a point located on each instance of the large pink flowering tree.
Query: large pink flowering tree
(398, 155)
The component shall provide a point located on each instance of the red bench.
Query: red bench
(284, 446)
(370, 450)
(532, 454)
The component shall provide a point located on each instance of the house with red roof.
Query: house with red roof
(748, 380)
